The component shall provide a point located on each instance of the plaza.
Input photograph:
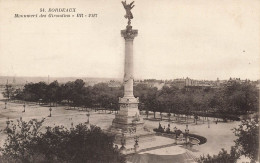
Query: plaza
(218, 135)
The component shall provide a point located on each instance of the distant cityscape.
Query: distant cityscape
(192, 83)
(180, 83)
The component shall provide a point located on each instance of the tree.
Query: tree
(9, 91)
(85, 145)
(52, 92)
(27, 143)
(151, 100)
(248, 138)
(34, 91)
(241, 97)
(21, 139)
(66, 91)
(247, 144)
(18, 94)
(222, 157)
(78, 92)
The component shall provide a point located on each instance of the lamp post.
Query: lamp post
(50, 111)
(186, 133)
(71, 126)
(24, 107)
(175, 131)
(196, 119)
(7, 123)
(115, 110)
(169, 115)
(136, 146)
(88, 116)
(208, 119)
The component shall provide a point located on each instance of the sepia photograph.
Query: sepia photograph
(123, 81)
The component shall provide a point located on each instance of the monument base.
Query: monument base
(128, 124)
(129, 139)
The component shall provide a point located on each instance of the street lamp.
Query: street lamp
(196, 118)
(136, 146)
(71, 126)
(208, 118)
(186, 133)
(208, 122)
(147, 112)
(175, 131)
(24, 107)
(88, 116)
(50, 111)
(7, 123)
(169, 115)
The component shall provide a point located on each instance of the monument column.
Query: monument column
(129, 36)
(128, 120)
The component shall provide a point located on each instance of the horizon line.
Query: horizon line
(80, 77)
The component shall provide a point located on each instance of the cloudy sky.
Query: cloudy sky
(200, 39)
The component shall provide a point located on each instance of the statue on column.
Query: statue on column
(128, 8)
(129, 16)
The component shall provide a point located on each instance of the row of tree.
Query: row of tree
(223, 102)
(234, 99)
(74, 93)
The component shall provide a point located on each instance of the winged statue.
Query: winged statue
(128, 8)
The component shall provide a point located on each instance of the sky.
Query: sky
(199, 39)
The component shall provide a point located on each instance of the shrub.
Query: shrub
(25, 143)
(222, 157)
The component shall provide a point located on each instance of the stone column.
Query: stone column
(129, 36)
